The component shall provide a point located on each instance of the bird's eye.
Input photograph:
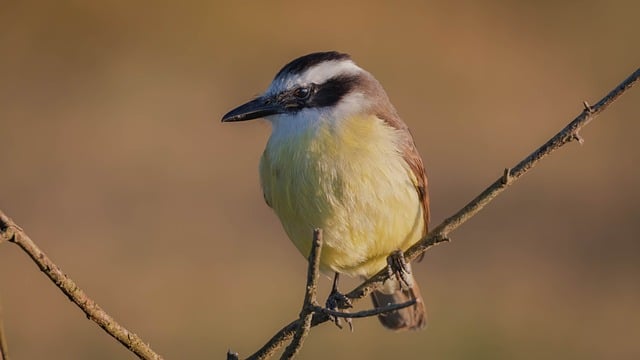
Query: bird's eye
(301, 93)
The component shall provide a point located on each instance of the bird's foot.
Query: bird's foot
(338, 301)
(398, 267)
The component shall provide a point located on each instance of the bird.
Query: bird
(341, 159)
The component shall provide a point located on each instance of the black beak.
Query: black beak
(256, 108)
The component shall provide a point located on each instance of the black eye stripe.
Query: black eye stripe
(297, 96)
(322, 95)
(333, 90)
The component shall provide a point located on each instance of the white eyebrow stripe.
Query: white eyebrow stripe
(328, 69)
(317, 74)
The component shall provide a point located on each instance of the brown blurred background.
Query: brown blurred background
(114, 161)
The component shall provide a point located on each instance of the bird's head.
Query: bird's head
(322, 85)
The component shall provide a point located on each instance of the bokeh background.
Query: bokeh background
(114, 161)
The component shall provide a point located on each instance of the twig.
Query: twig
(365, 313)
(10, 231)
(4, 347)
(310, 298)
(441, 232)
(282, 336)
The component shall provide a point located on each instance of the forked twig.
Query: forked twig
(300, 328)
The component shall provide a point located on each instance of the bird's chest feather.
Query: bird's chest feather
(343, 178)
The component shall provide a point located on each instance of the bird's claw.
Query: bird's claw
(398, 267)
(338, 301)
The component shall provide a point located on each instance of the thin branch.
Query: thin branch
(441, 232)
(10, 231)
(4, 347)
(313, 271)
(310, 298)
(366, 313)
(282, 336)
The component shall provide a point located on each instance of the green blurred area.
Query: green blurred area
(114, 161)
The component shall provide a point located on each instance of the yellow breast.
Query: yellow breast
(349, 179)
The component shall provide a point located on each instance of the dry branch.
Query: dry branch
(365, 313)
(10, 231)
(441, 232)
(310, 298)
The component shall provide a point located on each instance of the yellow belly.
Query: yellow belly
(349, 179)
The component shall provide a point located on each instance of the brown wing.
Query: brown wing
(412, 157)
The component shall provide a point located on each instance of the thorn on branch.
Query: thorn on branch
(506, 177)
(588, 108)
(438, 238)
(5, 234)
(232, 355)
(577, 137)
(3, 225)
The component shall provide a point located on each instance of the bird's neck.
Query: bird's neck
(328, 137)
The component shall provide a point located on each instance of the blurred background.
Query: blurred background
(114, 160)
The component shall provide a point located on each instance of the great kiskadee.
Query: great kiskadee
(340, 159)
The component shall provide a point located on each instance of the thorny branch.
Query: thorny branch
(441, 232)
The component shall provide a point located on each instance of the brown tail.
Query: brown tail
(410, 318)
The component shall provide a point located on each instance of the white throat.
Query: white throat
(308, 119)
